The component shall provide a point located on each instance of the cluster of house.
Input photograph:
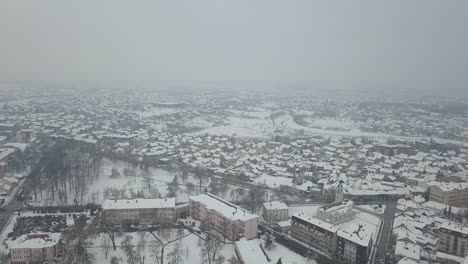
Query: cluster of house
(7, 180)
(433, 230)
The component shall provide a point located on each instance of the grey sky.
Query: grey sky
(402, 44)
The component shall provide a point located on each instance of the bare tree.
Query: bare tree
(175, 255)
(155, 250)
(128, 249)
(148, 180)
(111, 230)
(234, 260)
(210, 249)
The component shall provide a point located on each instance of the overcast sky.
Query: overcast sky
(417, 44)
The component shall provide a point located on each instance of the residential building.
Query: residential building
(453, 238)
(139, 211)
(249, 252)
(450, 193)
(275, 211)
(354, 244)
(228, 219)
(314, 232)
(35, 248)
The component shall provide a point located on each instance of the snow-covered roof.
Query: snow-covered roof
(454, 226)
(407, 261)
(275, 205)
(138, 204)
(35, 240)
(316, 222)
(408, 250)
(358, 234)
(444, 256)
(449, 186)
(227, 209)
(4, 153)
(250, 252)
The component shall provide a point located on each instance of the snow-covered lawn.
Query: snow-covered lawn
(287, 256)
(272, 181)
(189, 247)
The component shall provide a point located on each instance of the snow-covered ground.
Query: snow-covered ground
(189, 247)
(105, 186)
(287, 256)
(272, 181)
(373, 208)
(241, 127)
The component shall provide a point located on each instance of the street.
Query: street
(381, 248)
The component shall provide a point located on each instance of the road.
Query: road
(382, 244)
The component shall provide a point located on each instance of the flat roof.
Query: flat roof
(138, 204)
(317, 222)
(35, 240)
(227, 209)
(250, 252)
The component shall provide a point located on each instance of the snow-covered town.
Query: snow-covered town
(233, 132)
(227, 180)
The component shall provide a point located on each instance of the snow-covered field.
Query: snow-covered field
(241, 127)
(287, 256)
(106, 186)
(272, 181)
(189, 247)
(331, 124)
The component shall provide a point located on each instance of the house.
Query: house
(275, 211)
(35, 248)
(453, 238)
(224, 217)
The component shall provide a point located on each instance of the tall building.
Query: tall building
(449, 193)
(354, 244)
(314, 232)
(453, 238)
(139, 211)
(224, 217)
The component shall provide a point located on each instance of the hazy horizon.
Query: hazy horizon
(416, 46)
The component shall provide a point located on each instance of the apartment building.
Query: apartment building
(249, 252)
(275, 211)
(314, 232)
(139, 211)
(354, 244)
(35, 248)
(450, 193)
(224, 217)
(453, 238)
